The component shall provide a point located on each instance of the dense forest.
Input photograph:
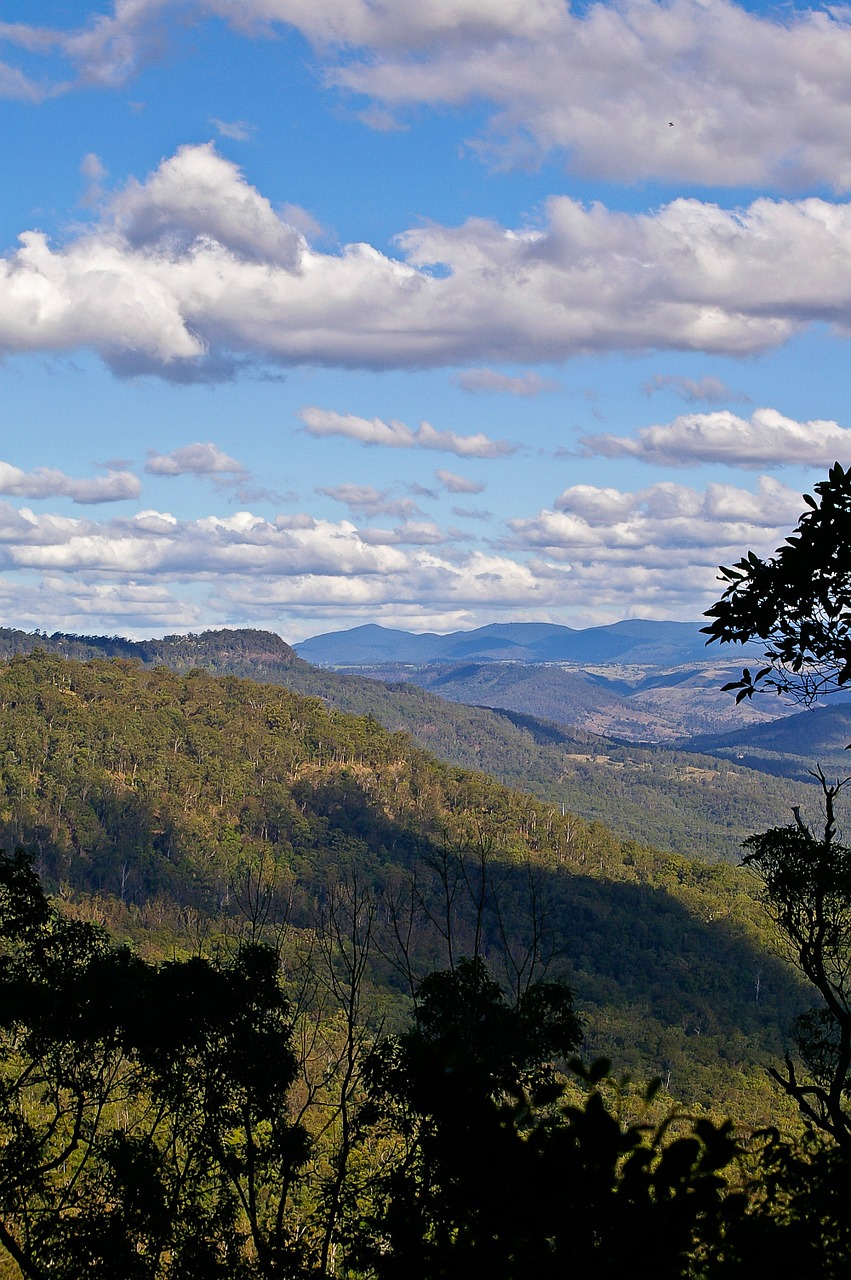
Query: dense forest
(679, 801)
(146, 795)
(229, 1082)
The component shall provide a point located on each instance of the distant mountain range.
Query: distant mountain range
(640, 680)
(632, 642)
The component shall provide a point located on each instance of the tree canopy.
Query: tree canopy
(797, 603)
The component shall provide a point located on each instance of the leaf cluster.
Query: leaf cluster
(798, 602)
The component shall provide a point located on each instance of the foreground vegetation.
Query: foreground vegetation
(163, 1122)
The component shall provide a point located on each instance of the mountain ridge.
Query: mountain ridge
(629, 640)
(699, 806)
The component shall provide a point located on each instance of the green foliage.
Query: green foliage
(144, 1124)
(495, 1176)
(669, 799)
(147, 797)
(798, 603)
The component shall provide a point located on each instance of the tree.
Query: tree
(807, 889)
(487, 1172)
(798, 603)
(144, 1125)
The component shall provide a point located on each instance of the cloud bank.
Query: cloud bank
(193, 268)
(622, 91)
(654, 551)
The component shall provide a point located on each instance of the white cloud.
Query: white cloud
(196, 193)
(490, 380)
(201, 459)
(174, 280)
(667, 528)
(367, 501)
(93, 170)
(624, 91)
(639, 90)
(47, 482)
(91, 167)
(472, 513)
(14, 84)
(396, 435)
(236, 130)
(766, 439)
(706, 390)
(415, 533)
(459, 484)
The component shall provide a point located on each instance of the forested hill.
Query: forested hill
(159, 792)
(257, 654)
(789, 747)
(698, 806)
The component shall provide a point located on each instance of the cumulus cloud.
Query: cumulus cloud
(396, 435)
(631, 90)
(666, 527)
(766, 439)
(192, 272)
(47, 482)
(638, 90)
(200, 459)
(490, 380)
(458, 484)
(706, 390)
(196, 193)
(174, 279)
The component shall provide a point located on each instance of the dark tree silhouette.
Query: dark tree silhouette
(493, 1175)
(798, 603)
(807, 889)
(144, 1130)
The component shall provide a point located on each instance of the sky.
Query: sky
(430, 313)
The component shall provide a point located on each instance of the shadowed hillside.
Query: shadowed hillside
(156, 791)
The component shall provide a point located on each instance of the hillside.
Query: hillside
(158, 792)
(641, 705)
(698, 807)
(787, 748)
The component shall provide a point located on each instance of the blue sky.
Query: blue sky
(430, 314)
